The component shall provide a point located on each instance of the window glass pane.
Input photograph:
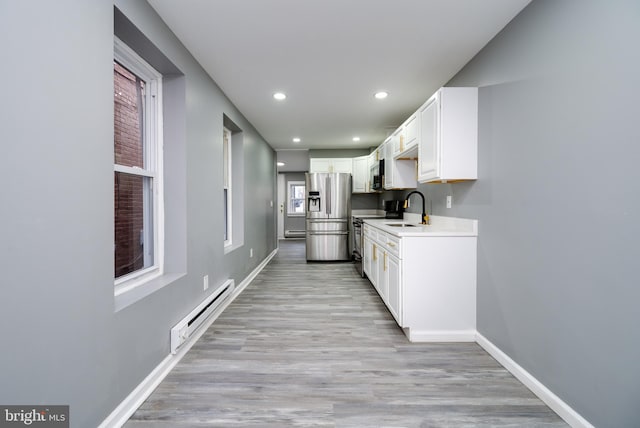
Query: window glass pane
(133, 223)
(297, 206)
(129, 111)
(226, 142)
(226, 215)
(227, 183)
(296, 198)
(298, 192)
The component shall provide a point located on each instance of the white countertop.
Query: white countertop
(440, 226)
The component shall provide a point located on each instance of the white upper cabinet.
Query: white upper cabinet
(360, 174)
(448, 136)
(319, 165)
(399, 172)
(408, 137)
(330, 165)
(388, 149)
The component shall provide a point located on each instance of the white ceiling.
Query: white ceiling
(330, 57)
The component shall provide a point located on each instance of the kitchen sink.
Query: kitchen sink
(400, 225)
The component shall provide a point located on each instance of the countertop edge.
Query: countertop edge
(440, 226)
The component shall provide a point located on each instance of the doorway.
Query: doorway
(291, 197)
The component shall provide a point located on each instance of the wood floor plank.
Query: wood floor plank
(312, 345)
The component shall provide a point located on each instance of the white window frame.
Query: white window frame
(153, 141)
(227, 137)
(290, 199)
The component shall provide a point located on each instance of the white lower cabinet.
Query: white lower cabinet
(370, 256)
(428, 283)
(383, 281)
(393, 288)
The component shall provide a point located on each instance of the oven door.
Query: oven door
(358, 242)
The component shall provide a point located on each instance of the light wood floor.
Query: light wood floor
(311, 344)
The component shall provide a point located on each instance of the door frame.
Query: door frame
(282, 195)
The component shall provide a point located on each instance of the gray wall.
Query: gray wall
(294, 160)
(557, 199)
(364, 201)
(64, 342)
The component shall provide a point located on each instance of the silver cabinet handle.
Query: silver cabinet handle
(328, 193)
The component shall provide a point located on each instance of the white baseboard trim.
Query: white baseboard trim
(129, 405)
(440, 335)
(563, 410)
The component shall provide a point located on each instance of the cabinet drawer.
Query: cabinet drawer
(391, 244)
(370, 232)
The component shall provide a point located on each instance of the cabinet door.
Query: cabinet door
(410, 134)
(342, 165)
(383, 275)
(397, 142)
(370, 261)
(319, 165)
(366, 256)
(360, 174)
(394, 281)
(429, 148)
(389, 164)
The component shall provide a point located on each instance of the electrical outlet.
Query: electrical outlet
(205, 282)
(250, 252)
(449, 201)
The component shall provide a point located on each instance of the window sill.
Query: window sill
(232, 247)
(131, 296)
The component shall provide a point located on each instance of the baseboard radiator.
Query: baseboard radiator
(181, 332)
(294, 233)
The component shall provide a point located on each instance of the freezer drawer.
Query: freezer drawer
(330, 226)
(324, 246)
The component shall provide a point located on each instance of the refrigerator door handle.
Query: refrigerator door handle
(328, 187)
(327, 233)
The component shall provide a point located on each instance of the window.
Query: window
(233, 184)
(138, 215)
(227, 173)
(296, 195)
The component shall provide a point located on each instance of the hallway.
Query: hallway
(311, 344)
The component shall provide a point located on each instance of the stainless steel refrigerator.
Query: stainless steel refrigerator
(328, 210)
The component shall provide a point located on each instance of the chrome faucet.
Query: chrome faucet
(425, 217)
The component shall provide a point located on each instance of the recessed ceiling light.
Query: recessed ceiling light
(356, 139)
(296, 140)
(381, 95)
(279, 96)
(280, 164)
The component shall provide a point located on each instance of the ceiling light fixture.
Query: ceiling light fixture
(279, 96)
(296, 140)
(381, 95)
(356, 139)
(280, 164)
